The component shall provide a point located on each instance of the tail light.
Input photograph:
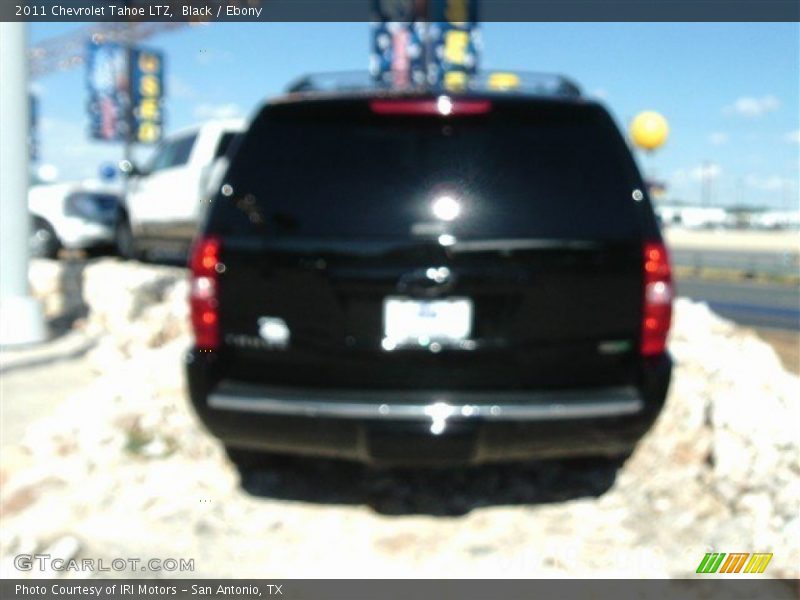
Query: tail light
(657, 314)
(205, 268)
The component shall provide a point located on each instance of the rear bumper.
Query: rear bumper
(427, 426)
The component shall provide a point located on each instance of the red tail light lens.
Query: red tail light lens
(442, 106)
(205, 268)
(657, 314)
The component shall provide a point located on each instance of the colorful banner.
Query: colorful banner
(419, 42)
(147, 93)
(398, 54)
(107, 82)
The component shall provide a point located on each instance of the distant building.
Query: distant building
(776, 219)
(694, 217)
(703, 217)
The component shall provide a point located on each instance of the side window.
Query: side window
(173, 154)
(183, 149)
(162, 157)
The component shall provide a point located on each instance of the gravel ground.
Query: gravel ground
(123, 469)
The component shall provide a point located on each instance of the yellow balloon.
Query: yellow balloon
(649, 130)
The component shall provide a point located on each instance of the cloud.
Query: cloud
(178, 88)
(709, 170)
(769, 183)
(793, 137)
(37, 89)
(599, 93)
(697, 173)
(718, 138)
(207, 56)
(751, 107)
(218, 111)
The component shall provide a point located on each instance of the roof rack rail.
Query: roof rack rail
(538, 84)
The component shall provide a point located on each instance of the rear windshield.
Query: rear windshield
(554, 171)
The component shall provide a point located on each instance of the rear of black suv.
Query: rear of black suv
(428, 278)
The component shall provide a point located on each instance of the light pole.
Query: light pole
(706, 183)
(21, 318)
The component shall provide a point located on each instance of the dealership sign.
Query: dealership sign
(147, 92)
(454, 40)
(126, 91)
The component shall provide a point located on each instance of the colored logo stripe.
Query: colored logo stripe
(734, 562)
(711, 562)
(758, 563)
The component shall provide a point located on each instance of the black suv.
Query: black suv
(414, 277)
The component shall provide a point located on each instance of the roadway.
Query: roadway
(750, 303)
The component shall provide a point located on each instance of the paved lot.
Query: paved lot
(756, 304)
(772, 310)
(775, 253)
(35, 381)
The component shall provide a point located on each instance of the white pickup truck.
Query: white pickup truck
(164, 201)
(71, 215)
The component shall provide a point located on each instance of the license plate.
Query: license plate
(409, 321)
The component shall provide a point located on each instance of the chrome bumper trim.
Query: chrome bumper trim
(502, 406)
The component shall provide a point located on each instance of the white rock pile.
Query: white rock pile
(124, 468)
(723, 460)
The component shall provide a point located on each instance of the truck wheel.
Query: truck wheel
(123, 240)
(43, 241)
(245, 460)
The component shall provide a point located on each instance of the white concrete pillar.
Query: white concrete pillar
(21, 317)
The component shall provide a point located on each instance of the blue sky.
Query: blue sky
(731, 92)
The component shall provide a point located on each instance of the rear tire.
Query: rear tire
(123, 239)
(43, 241)
(246, 460)
(619, 460)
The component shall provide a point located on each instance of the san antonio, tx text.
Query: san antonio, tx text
(145, 589)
